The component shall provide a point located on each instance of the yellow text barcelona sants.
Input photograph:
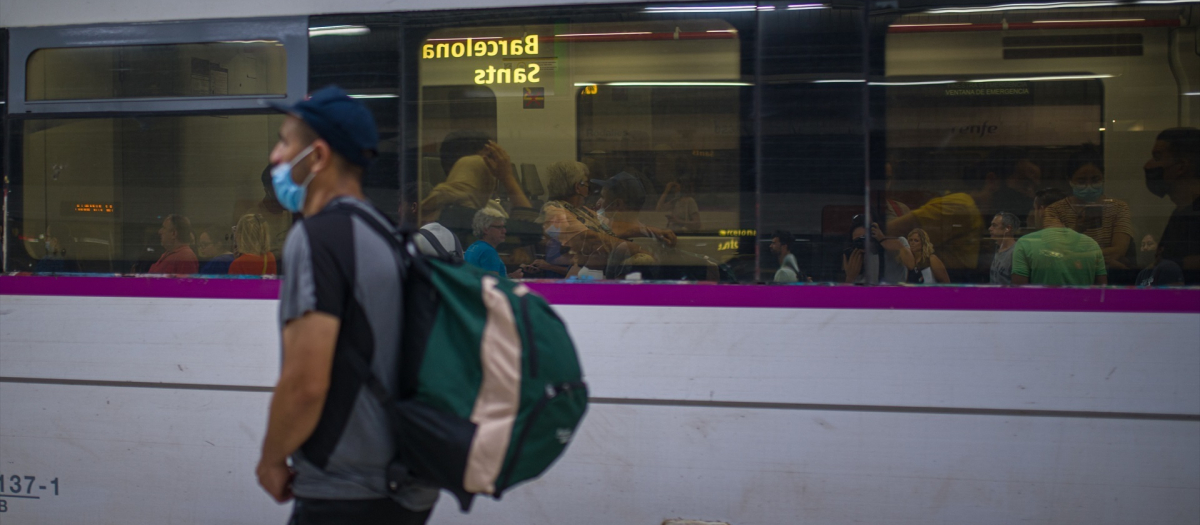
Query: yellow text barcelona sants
(490, 48)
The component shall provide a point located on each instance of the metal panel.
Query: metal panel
(1015, 361)
(202, 342)
(151, 455)
(291, 31)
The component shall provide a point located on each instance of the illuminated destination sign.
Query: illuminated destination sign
(93, 208)
(451, 48)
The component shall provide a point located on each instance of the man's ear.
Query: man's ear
(321, 156)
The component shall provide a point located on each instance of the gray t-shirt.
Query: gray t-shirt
(338, 265)
(1002, 266)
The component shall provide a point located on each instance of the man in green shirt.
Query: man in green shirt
(1056, 256)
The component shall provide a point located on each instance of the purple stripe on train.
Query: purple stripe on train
(1158, 300)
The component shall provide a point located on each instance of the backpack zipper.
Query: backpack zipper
(552, 392)
(533, 350)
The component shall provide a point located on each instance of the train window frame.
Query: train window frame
(1015, 20)
(292, 32)
(419, 25)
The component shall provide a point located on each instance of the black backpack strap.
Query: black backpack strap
(398, 241)
(459, 254)
(437, 245)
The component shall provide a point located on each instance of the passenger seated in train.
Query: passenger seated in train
(253, 238)
(892, 258)
(621, 200)
(679, 203)
(1003, 229)
(19, 257)
(56, 259)
(927, 266)
(489, 227)
(1173, 171)
(475, 168)
(953, 222)
(1089, 211)
(1022, 177)
(279, 219)
(556, 263)
(577, 229)
(214, 249)
(789, 270)
(445, 238)
(1056, 255)
(176, 238)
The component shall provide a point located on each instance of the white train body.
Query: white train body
(128, 400)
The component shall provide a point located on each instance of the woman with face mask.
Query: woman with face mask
(1088, 211)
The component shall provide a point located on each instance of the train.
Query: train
(718, 396)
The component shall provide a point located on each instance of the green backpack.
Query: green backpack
(490, 387)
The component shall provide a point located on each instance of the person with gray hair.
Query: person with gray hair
(571, 227)
(1003, 228)
(566, 179)
(489, 227)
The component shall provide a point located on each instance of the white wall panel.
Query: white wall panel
(134, 455)
(644, 464)
(198, 341)
(997, 360)
(1017, 360)
(150, 455)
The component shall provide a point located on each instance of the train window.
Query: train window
(157, 194)
(812, 146)
(361, 53)
(620, 151)
(212, 69)
(1026, 143)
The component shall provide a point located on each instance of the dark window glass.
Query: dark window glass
(623, 145)
(212, 69)
(812, 146)
(115, 195)
(1027, 150)
(361, 53)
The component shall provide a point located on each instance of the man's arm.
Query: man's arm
(1020, 266)
(500, 166)
(308, 346)
(900, 226)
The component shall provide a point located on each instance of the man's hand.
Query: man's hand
(276, 479)
(876, 233)
(666, 236)
(498, 162)
(853, 265)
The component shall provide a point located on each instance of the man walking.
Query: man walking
(339, 301)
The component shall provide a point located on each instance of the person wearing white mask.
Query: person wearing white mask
(1089, 211)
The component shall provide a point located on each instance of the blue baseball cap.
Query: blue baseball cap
(345, 123)
(625, 186)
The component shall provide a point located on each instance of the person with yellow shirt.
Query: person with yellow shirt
(953, 221)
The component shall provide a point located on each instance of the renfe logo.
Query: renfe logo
(981, 130)
(490, 47)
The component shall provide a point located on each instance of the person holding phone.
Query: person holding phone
(683, 215)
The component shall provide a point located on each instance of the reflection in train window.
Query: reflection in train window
(179, 195)
(619, 149)
(168, 70)
(1021, 151)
